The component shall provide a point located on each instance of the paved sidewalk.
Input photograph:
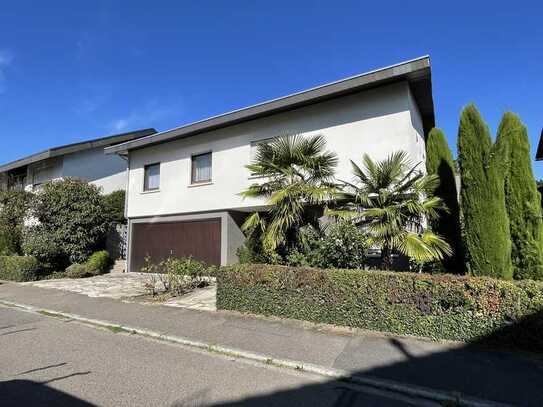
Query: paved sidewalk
(497, 376)
(128, 287)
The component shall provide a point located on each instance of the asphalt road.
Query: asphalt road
(45, 361)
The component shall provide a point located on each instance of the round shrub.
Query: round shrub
(343, 246)
(19, 268)
(71, 214)
(98, 262)
(77, 270)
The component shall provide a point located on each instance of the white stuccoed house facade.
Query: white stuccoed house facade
(172, 210)
(85, 160)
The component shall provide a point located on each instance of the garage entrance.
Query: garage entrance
(200, 239)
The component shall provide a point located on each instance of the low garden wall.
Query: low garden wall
(441, 307)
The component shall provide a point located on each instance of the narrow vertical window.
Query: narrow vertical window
(201, 168)
(151, 180)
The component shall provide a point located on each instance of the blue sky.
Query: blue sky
(70, 71)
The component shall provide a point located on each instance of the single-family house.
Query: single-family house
(85, 160)
(184, 184)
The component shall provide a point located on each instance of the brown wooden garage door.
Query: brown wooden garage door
(200, 239)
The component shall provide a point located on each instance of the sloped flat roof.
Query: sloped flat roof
(416, 72)
(75, 147)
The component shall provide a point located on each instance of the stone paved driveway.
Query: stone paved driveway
(124, 286)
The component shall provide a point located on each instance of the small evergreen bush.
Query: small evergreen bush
(98, 262)
(77, 270)
(19, 268)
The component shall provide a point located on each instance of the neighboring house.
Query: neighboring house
(183, 184)
(85, 160)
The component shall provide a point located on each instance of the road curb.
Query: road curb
(448, 398)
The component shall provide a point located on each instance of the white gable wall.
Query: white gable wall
(376, 122)
(105, 171)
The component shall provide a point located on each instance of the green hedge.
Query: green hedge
(439, 307)
(98, 263)
(19, 268)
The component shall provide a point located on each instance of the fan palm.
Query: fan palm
(297, 178)
(392, 200)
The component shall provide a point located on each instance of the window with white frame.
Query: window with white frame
(201, 169)
(151, 181)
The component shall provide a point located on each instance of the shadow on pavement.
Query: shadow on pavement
(18, 393)
(486, 369)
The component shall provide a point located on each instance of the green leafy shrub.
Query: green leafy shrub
(114, 205)
(344, 245)
(72, 217)
(19, 268)
(177, 276)
(46, 247)
(341, 245)
(13, 208)
(98, 262)
(444, 306)
(77, 270)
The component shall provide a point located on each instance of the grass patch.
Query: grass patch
(115, 329)
(52, 314)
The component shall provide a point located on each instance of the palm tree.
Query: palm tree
(297, 178)
(392, 200)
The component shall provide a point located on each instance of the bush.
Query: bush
(440, 307)
(44, 245)
(177, 275)
(13, 209)
(19, 268)
(342, 245)
(98, 262)
(114, 206)
(70, 215)
(76, 270)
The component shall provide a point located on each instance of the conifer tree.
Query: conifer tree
(487, 237)
(439, 161)
(522, 200)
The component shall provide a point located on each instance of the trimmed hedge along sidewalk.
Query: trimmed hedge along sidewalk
(441, 307)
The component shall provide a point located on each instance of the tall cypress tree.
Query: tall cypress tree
(486, 225)
(439, 161)
(522, 200)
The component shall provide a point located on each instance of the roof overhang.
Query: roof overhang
(416, 72)
(76, 147)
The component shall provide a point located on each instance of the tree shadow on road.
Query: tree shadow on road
(19, 393)
(495, 368)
